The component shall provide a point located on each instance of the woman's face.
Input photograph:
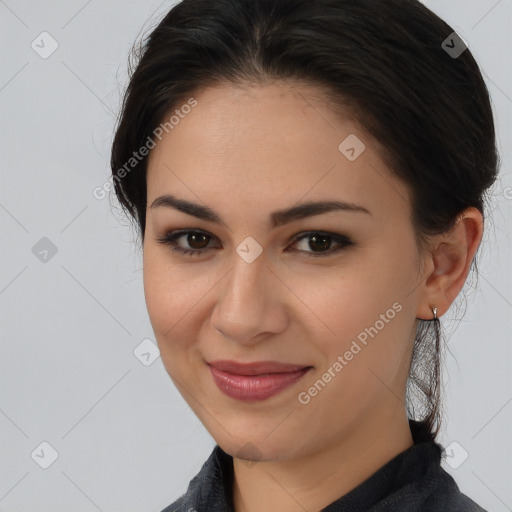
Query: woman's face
(335, 292)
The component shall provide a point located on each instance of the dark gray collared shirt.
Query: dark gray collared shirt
(413, 481)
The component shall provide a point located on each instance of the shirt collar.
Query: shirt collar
(211, 488)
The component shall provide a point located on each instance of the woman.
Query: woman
(308, 180)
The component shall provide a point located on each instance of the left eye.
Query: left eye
(321, 243)
(198, 242)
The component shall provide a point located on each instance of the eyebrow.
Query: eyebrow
(277, 218)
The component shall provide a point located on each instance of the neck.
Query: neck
(314, 481)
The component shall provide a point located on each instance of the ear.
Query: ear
(449, 259)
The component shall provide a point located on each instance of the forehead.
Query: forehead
(266, 145)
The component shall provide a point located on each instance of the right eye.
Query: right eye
(197, 241)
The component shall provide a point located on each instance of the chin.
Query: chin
(260, 449)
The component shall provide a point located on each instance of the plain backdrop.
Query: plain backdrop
(76, 392)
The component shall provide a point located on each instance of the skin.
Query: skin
(246, 152)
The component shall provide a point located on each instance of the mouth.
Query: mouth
(255, 381)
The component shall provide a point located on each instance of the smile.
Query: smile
(255, 381)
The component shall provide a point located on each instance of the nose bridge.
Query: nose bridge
(246, 281)
(246, 304)
(248, 266)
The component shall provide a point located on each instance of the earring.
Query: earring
(434, 310)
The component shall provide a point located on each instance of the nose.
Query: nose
(250, 303)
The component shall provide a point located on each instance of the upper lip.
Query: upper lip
(256, 368)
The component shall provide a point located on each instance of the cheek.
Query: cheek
(365, 313)
(171, 295)
(364, 350)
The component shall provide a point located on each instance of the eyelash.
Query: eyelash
(171, 237)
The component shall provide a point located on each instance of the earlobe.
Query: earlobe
(451, 255)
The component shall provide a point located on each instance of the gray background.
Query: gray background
(71, 321)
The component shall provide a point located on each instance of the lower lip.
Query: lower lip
(255, 387)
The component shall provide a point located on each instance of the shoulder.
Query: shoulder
(178, 506)
(438, 492)
(437, 489)
(421, 484)
(446, 496)
(207, 490)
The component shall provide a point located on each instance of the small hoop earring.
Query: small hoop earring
(434, 310)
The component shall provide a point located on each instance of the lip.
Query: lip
(255, 381)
